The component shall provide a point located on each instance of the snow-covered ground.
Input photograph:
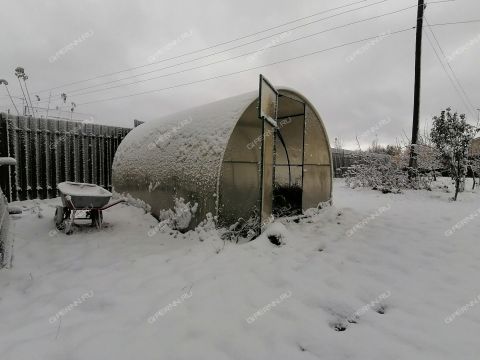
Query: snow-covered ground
(388, 270)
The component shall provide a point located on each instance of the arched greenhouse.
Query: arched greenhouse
(230, 162)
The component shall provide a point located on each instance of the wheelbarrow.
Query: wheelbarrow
(89, 199)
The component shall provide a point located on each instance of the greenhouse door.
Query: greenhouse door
(267, 173)
(267, 112)
(289, 157)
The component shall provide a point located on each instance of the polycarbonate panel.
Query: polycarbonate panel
(292, 134)
(288, 106)
(317, 148)
(180, 155)
(288, 175)
(268, 101)
(246, 139)
(317, 180)
(239, 192)
(240, 177)
(267, 178)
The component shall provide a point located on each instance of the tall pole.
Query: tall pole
(26, 89)
(48, 105)
(418, 80)
(24, 97)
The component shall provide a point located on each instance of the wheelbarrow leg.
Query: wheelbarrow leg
(97, 218)
(62, 219)
(70, 222)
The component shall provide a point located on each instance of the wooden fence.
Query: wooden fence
(51, 151)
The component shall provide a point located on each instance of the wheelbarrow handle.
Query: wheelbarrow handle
(112, 204)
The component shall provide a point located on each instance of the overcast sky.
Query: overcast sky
(364, 89)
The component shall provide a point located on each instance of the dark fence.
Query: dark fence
(51, 151)
(342, 159)
(5, 247)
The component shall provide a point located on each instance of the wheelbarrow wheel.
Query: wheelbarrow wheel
(60, 218)
(97, 218)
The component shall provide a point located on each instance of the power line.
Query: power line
(244, 70)
(456, 23)
(225, 42)
(446, 72)
(228, 59)
(450, 67)
(249, 35)
(252, 34)
(230, 41)
(235, 47)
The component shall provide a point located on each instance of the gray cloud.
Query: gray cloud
(352, 96)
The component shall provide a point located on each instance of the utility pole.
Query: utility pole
(418, 81)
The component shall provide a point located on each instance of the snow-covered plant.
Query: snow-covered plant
(429, 158)
(338, 144)
(390, 173)
(429, 161)
(179, 218)
(242, 230)
(377, 171)
(452, 136)
(20, 74)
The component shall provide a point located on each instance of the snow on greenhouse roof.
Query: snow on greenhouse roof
(190, 143)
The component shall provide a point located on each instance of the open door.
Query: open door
(267, 113)
(288, 182)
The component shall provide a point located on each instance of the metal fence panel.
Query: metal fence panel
(49, 151)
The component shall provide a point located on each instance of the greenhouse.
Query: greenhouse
(229, 160)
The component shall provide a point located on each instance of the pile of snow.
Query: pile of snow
(397, 288)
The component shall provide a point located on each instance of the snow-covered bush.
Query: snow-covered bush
(376, 171)
(390, 173)
(243, 230)
(429, 160)
(178, 218)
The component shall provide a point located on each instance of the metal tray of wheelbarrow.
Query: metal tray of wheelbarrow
(83, 196)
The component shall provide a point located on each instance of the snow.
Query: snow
(7, 161)
(14, 209)
(82, 189)
(396, 288)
